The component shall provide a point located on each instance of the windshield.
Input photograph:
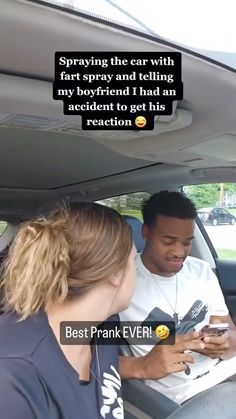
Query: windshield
(206, 27)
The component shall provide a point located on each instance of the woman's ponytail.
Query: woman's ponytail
(37, 267)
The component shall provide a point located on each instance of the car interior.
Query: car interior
(46, 157)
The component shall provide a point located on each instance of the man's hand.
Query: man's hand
(162, 360)
(166, 359)
(216, 346)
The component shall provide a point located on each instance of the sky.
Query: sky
(203, 24)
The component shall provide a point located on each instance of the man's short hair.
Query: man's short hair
(169, 204)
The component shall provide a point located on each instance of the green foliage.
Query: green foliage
(208, 195)
(3, 226)
(230, 187)
(132, 201)
(135, 200)
(203, 195)
(226, 254)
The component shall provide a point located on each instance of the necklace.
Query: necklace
(98, 367)
(175, 314)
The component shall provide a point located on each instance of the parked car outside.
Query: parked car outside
(215, 216)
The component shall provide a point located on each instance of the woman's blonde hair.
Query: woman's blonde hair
(62, 256)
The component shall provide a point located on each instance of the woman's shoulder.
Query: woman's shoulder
(18, 339)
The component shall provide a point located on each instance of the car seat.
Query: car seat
(136, 392)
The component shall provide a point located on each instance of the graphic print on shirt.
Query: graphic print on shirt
(111, 388)
(196, 314)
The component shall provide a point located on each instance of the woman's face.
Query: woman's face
(128, 281)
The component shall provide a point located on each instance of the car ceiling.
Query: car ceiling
(45, 156)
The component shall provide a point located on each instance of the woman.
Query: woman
(73, 265)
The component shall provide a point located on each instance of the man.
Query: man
(172, 286)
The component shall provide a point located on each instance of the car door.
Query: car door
(226, 270)
(215, 215)
(219, 216)
(222, 246)
(225, 261)
(224, 216)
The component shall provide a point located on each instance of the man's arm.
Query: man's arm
(131, 367)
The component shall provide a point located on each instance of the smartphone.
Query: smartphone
(214, 330)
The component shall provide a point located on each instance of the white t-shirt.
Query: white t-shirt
(199, 296)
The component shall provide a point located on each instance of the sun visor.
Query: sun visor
(26, 103)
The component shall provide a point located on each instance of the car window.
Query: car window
(129, 204)
(223, 211)
(221, 230)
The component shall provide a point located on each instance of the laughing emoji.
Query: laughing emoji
(162, 332)
(140, 121)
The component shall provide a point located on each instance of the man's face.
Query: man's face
(168, 243)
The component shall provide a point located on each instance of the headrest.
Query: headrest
(136, 226)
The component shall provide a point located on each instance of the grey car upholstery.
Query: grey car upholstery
(136, 226)
(219, 403)
(148, 400)
(226, 272)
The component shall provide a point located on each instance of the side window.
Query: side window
(129, 204)
(216, 206)
(3, 226)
